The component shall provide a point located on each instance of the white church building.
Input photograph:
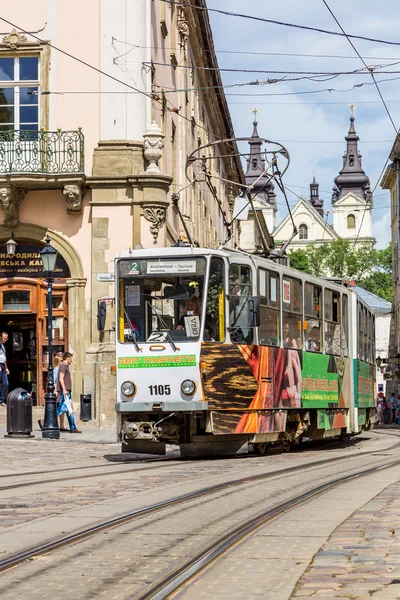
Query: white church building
(351, 203)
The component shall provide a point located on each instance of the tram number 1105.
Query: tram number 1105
(160, 390)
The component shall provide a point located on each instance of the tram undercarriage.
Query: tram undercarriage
(194, 433)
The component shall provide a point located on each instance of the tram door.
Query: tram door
(23, 315)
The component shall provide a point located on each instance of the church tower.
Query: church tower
(315, 200)
(352, 197)
(263, 190)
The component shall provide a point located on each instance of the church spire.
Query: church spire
(315, 200)
(263, 189)
(352, 177)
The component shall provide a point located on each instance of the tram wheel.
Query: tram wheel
(261, 449)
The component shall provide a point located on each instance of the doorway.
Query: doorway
(23, 315)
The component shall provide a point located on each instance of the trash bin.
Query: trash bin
(19, 414)
(86, 407)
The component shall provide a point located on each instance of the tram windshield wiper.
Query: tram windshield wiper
(133, 333)
(171, 341)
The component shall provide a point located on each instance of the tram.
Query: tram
(216, 348)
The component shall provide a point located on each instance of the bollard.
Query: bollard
(86, 407)
(19, 414)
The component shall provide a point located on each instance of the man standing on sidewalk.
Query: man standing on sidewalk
(4, 372)
(64, 387)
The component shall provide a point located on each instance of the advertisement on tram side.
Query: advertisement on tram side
(273, 379)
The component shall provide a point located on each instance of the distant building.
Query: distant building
(382, 310)
(391, 181)
(351, 203)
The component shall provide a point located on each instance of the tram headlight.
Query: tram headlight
(188, 387)
(128, 388)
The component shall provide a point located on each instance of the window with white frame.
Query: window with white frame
(303, 232)
(19, 98)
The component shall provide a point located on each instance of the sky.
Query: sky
(312, 126)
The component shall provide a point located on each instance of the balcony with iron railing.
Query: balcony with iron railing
(41, 152)
(40, 160)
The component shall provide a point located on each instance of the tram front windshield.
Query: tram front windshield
(160, 300)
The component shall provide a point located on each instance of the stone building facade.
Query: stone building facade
(97, 117)
(391, 181)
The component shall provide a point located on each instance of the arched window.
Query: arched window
(351, 222)
(303, 232)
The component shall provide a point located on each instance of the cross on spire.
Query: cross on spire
(352, 108)
(255, 112)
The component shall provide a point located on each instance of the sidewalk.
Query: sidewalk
(91, 433)
(361, 558)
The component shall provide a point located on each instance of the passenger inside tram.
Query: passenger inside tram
(289, 340)
(314, 340)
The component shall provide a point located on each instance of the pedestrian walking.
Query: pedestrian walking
(379, 412)
(393, 407)
(64, 386)
(4, 372)
(385, 411)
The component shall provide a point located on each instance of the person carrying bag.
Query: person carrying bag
(65, 406)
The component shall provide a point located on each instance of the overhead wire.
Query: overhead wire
(371, 71)
(253, 53)
(281, 23)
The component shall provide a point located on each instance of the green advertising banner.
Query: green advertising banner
(364, 381)
(148, 362)
(320, 387)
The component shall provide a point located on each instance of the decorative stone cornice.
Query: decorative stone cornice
(10, 199)
(76, 282)
(73, 195)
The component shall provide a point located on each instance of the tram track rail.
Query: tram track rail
(76, 536)
(181, 575)
(165, 462)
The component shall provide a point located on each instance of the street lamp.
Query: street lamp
(11, 245)
(50, 429)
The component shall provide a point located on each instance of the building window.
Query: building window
(19, 98)
(351, 222)
(303, 232)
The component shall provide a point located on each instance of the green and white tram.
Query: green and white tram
(216, 348)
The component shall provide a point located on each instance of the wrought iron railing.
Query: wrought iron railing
(41, 151)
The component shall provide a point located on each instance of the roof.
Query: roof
(376, 303)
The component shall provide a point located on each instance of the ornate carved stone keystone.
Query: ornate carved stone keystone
(153, 147)
(10, 199)
(14, 39)
(156, 214)
(73, 195)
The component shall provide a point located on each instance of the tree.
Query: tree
(365, 265)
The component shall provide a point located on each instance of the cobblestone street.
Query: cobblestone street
(342, 544)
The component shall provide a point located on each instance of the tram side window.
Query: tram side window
(239, 291)
(345, 326)
(361, 325)
(370, 338)
(269, 330)
(313, 316)
(365, 333)
(332, 321)
(214, 328)
(292, 312)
